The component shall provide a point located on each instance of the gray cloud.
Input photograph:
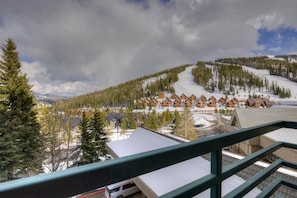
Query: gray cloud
(81, 46)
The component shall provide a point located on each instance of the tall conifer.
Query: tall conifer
(100, 135)
(20, 138)
(94, 138)
(87, 143)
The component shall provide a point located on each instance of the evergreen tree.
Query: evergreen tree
(177, 120)
(147, 121)
(124, 124)
(87, 143)
(169, 117)
(186, 127)
(20, 139)
(162, 118)
(131, 119)
(154, 120)
(100, 134)
(124, 118)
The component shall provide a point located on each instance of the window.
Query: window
(113, 190)
(128, 186)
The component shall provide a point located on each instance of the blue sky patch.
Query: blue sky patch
(279, 41)
(145, 3)
(26, 59)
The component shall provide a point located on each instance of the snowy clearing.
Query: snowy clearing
(186, 85)
(281, 81)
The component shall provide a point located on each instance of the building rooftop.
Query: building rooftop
(162, 181)
(284, 135)
(248, 117)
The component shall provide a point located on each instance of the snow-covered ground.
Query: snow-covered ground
(117, 135)
(152, 80)
(280, 81)
(186, 85)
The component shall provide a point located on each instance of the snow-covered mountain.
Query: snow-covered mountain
(49, 98)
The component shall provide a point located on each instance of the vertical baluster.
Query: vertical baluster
(216, 168)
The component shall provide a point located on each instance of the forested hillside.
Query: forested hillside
(126, 93)
(225, 75)
(228, 76)
(285, 66)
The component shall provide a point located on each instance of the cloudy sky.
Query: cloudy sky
(79, 46)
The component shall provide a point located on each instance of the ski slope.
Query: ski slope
(186, 85)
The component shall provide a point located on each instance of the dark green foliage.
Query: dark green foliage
(228, 77)
(277, 67)
(94, 138)
(20, 139)
(177, 119)
(147, 122)
(166, 118)
(155, 121)
(131, 120)
(202, 74)
(100, 135)
(124, 124)
(282, 92)
(87, 147)
(283, 68)
(128, 120)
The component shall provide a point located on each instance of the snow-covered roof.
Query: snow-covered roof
(141, 140)
(283, 135)
(159, 182)
(289, 103)
(248, 117)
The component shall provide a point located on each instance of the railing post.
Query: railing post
(216, 169)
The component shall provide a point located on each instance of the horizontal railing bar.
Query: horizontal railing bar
(254, 181)
(270, 189)
(193, 188)
(290, 145)
(245, 162)
(290, 164)
(289, 184)
(230, 138)
(289, 124)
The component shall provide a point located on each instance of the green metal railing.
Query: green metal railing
(81, 179)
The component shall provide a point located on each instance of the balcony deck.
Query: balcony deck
(84, 178)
